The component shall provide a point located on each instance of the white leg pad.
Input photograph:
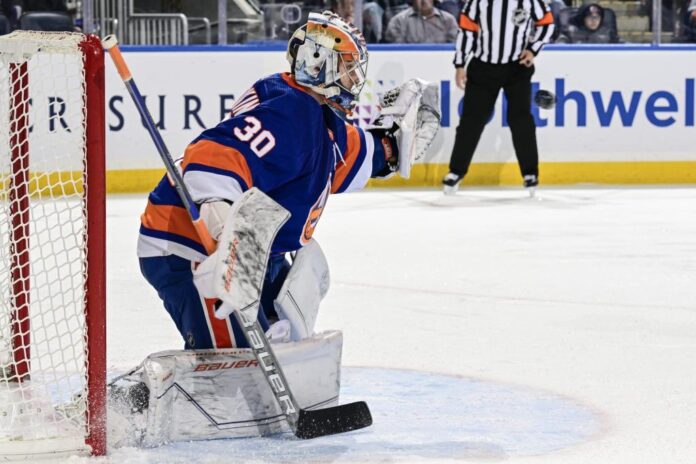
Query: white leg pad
(305, 286)
(211, 394)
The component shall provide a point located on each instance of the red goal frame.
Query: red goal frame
(94, 201)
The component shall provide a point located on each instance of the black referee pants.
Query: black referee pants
(483, 85)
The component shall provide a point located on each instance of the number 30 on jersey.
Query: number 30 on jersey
(260, 140)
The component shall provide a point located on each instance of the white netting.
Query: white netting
(41, 196)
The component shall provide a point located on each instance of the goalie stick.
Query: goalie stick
(304, 423)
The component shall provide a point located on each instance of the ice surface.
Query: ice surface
(567, 322)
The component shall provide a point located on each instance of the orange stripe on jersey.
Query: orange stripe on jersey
(545, 20)
(466, 23)
(213, 154)
(221, 329)
(349, 157)
(172, 219)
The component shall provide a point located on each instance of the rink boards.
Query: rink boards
(624, 114)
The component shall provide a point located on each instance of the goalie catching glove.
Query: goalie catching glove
(410, 116)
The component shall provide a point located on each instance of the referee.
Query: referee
(499, 39)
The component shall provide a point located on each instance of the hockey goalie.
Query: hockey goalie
(261, 179)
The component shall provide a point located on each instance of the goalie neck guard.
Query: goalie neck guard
(329, 56)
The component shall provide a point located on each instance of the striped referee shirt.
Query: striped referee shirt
(497, 31)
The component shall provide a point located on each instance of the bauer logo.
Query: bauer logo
(225, 365)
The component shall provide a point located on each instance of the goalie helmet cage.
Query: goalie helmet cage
(52, 245)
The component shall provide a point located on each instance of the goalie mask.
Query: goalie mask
(329, 56)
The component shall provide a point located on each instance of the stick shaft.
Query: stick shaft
(111, 46)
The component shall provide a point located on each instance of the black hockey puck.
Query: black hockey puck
(544, 99)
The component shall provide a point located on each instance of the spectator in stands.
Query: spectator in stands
(376, 16)
(556, 7)
(422, 23)
(690, 26)
(373, 22)
(589, 26)
(453, 7)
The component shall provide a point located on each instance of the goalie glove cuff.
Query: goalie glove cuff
(385, 159)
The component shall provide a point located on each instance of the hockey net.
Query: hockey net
(52, 328)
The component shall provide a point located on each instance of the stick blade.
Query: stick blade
(329, 421)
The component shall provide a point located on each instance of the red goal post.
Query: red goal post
(52, 245)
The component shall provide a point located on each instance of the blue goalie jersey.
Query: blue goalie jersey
(278, 139)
